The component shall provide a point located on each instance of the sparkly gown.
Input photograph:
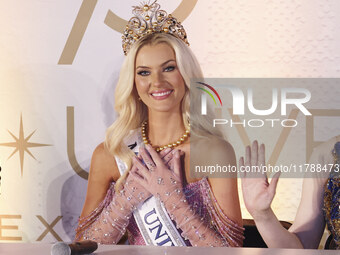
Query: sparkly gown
(200, 198)
(332, 198)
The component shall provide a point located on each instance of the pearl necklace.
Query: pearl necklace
(170, 145)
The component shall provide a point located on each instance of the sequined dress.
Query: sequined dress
(332, 198)
(200, 197)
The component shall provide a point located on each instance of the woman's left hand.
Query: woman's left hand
(155, 175)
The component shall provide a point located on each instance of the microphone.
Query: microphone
(76, 248)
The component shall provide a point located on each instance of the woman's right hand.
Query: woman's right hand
(134, 188)
(258, 193)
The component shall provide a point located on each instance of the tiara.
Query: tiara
(150, 19)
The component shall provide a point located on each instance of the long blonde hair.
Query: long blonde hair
(132, 112)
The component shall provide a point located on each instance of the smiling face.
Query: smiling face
(158, 81)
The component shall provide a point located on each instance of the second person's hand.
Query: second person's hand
(258, 193)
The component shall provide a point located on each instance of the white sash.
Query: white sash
(152, 218)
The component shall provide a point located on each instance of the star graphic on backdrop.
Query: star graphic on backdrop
(22, 144)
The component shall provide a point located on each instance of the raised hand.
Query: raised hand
(258, 193)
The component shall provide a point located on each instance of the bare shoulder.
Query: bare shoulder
(222, 153)
(103, 171)
(214, 150)
(103, 163)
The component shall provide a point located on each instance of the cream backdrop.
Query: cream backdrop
(45, 78)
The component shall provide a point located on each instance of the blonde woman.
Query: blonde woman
(152, 196)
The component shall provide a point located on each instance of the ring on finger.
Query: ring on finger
(150, 166)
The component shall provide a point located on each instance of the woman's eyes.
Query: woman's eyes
(143, 73)
(169, 68)
(166, 69)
